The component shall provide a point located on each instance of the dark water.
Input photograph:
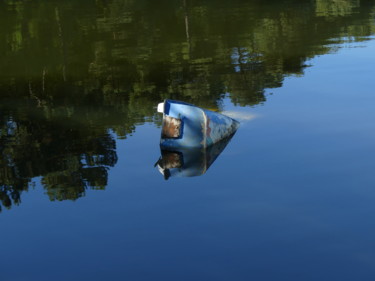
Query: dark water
(291, 197)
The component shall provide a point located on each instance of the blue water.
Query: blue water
(290, 198)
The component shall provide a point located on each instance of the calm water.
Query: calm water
(291, 197)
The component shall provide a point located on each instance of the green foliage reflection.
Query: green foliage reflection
(72, 72)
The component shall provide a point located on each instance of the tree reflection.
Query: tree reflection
(73, 71)
(70, 159)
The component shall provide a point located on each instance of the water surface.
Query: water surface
(290, 198)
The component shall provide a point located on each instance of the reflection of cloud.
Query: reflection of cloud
(240, 116)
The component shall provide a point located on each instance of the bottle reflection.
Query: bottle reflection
(189, 162)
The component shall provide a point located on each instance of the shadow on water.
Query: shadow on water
(75, 75)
